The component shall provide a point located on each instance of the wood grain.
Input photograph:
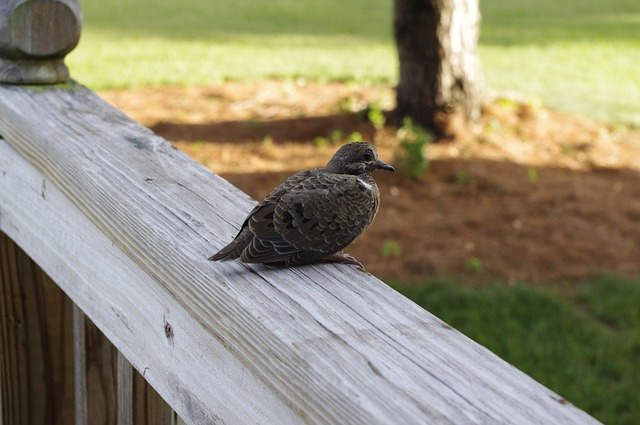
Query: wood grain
(124, 384)
(101, 385)
(193, 371)
(79, 366)
(108, 394)
(148, 407)
(248, 344)
(36, 383)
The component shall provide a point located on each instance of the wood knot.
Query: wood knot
(168, 329)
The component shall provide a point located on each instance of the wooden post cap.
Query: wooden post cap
(35, 35)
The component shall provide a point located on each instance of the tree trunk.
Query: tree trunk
(441, 82)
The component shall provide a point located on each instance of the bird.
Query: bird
(314, 214)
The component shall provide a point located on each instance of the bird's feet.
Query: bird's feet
(344, 258)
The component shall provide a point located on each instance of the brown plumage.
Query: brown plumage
(314, 214)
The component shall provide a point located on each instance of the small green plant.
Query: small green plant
(348, 104)
(474, 265)
(533, 103)
(321, 142)
(410, 158)
(567, 149)
(492, 126)
(336, 136)
(391, 248)
(376, 116)
(533, 175)
(462, 177)
(353, 137)
(508, 103)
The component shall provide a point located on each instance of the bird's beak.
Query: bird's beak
(384, 166)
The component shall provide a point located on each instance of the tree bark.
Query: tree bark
(440, 78)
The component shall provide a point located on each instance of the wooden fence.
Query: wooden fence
(101, 219)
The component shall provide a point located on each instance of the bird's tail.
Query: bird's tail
(234, 249)
(226, 253)
(220, 255)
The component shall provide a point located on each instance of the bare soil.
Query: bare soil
(527, 194)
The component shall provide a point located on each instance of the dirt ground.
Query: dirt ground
(527, 194)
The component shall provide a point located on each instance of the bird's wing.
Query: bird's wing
(311, 215)
(245, 235)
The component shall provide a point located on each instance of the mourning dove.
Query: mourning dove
(314, 214)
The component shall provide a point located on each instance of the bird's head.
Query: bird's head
(356, 158)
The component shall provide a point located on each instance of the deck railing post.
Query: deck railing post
(36, 337)
(50, 353)
(35, 36)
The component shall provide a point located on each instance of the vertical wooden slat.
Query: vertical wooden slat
(96, 372)
(12, 372)
(36, 359)
(125, 391)
(148, 407)
(100, 377)
(56, 367)
(108, 389)
(57, 320)
(79, 373)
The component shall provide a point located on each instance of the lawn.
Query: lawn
(582, 344)
(577, 57)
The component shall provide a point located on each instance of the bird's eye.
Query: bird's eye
(367, 156)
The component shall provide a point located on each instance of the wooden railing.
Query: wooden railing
(122, 225)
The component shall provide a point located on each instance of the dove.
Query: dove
(314, 214)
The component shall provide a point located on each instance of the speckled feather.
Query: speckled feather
(313, 214)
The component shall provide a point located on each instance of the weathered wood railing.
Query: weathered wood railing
(123, 224)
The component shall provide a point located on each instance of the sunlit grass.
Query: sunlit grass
(156, 61)
(589, 79)
(578, 57)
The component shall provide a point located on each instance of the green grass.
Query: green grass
(145, 42)
(585, 345)
(579, 57)
(575, 56)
